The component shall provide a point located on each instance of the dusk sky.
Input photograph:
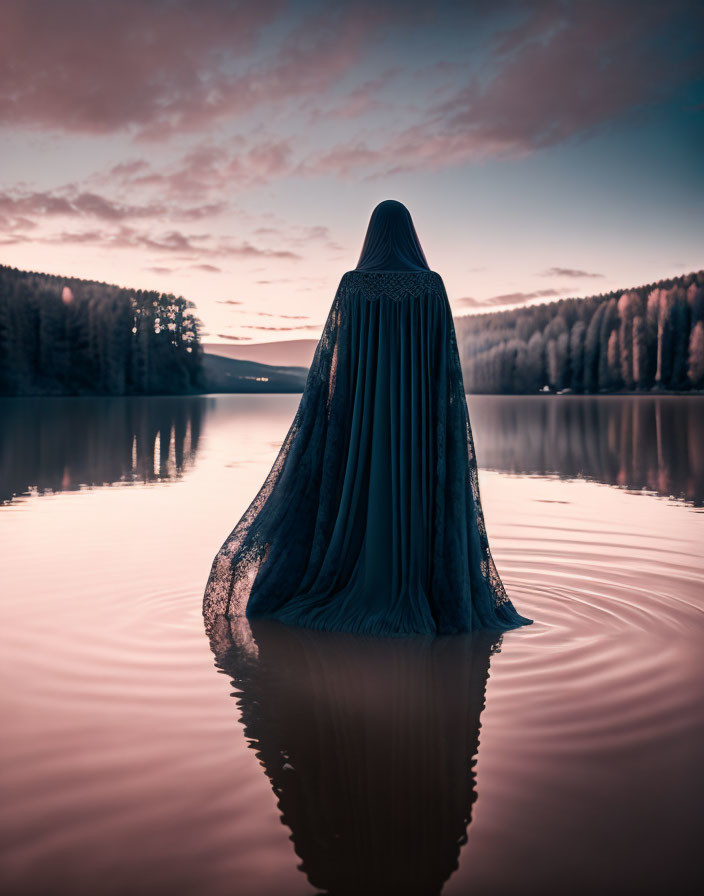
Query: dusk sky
(232, 152)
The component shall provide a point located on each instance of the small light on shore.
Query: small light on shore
(66, 295)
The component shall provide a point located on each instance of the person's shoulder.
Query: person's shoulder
(436, 281)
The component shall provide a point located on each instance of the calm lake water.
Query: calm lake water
(565, 758)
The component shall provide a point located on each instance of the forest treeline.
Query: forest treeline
(65, 336)
(651, 337)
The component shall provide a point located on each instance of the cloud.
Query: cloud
(189, 191)
(282, 316)
(315, 327)
(546, 72)
(161, 68)
(246, 250)
(228, 302)
(102, 67)
(187, 246)
(251, 313)
(208, 268)
(359, 101)
(242, 94)
(343, 160)
(170, 241)
(569, 272)
(234, 338)
(127, 169)
(518, 298)
(83, 237)
(21, 208)
(300, 236)
(211, 169)
(563, 72)
(510, 298)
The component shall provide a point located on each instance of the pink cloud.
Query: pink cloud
(357, 102)
(207, 268)
(314, 327)
(563, 73)
(510, 298)
(209, 169)
(100, 67)
(234, 338)
(569, 272)
(282, 316)
(191, 247)
(162, 68)
(71, 201)
(266, 313)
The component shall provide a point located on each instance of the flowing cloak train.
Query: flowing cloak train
(370, 519)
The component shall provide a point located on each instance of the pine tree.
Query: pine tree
(577, 356)
(696, 356)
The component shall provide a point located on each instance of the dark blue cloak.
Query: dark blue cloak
(370, 519)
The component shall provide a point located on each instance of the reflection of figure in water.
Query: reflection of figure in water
(368, 743)
(370, 519)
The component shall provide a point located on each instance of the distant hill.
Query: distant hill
(292, 353)
(232, 375)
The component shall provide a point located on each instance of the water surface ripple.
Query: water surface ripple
(138, 757)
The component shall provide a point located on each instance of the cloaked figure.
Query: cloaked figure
(370, 519)
(369, 743)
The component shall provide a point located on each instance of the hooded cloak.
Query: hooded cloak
(370, 519)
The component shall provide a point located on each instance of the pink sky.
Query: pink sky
(234, 154)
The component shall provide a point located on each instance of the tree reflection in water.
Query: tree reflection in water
(369, 744)
(61, 444)
(652, 442)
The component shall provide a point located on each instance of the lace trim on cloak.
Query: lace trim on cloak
(395, 285)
